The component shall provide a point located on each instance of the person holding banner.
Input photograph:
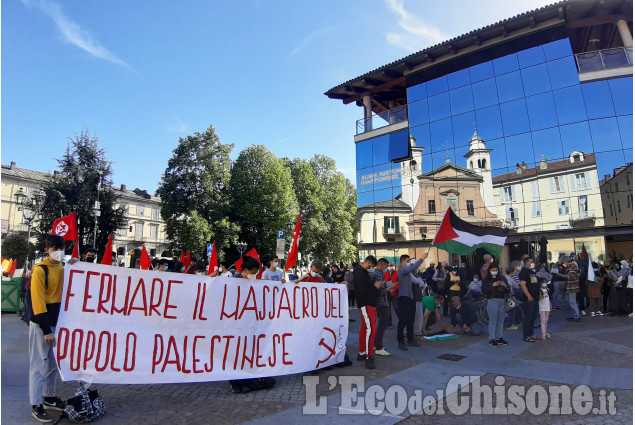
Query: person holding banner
(315, 274)
(46, 299)
(250, 270)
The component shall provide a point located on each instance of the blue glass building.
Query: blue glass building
(525, 124)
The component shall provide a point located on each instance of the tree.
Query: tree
(263, 200)
(195, 181)
(18, 248)
(328, 203)
(84, 170)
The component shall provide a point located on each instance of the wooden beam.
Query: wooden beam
(477, 40)
(532, 21)
(503, 31)
(383, 87)
(597, 20)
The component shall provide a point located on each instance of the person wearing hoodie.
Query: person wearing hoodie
(366, 295)
(406, 301)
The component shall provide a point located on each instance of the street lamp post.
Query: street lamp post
(97, 210)
(241, 246)
(30, 207)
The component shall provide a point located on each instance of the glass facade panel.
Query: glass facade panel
(531, 57)
(420, 91)
(557, 49)
(441, 135)
(519, 148)
(482, 72)
(620, 86)
(542, 111)
(563, 73)
(576, 137)
(536, 79)
(569, 105)
(438, 85)
(461, 100)
(597, 99)
(547, 143)
(505, 64)
(625, 124)
(422, 136)
(380, 150)
(364, 154)
(515, 119)
(418, 113)
(459, 79)
(605, 135)
(398, 145)
(510, 86)
(489, 123)
(439, 106)
(485, 93)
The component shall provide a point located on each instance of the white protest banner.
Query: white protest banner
(129, 326)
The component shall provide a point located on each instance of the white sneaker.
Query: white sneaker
(382, 352)
(593, 314)
(630, 315)
(512, 328)
(599, 313)
(583, 313)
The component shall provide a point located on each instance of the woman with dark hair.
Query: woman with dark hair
(495, 288)
(336, 274)
(250, 270)
(179, 267)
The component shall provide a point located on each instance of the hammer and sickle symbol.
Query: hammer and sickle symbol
(331, 349)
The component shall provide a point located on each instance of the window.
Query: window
(154, 232)
(155, 214)
(138, 231)
(471, 165)
(391, 225)
(452, 203)
(483, 163)
(140, 210)
(628, 201)
(583, 204)
(535, 209)
(432, 209)
(470, 207)
(534, 189)
(576, 158)
(511, 213)
(619, 208)
(580, 181)
(563, 207)
(556, 184)
(508, 194)
(611, 210)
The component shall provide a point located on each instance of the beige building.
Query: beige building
(553, 195)
(144, 225)
(617, 204)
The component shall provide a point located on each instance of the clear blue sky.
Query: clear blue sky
(140, 74)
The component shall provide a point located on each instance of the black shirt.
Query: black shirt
(533, 287)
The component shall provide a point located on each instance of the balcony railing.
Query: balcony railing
(398, 231)
(604, 59)
(392, 116)
(582, 215)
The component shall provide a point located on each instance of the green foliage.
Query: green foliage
(328, 203)
(263, 200)
(75, 190)
(193, 193)
(17, 247)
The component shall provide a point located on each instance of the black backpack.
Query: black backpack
(28, 303)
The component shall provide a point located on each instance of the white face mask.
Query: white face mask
(544, 285)
(438, 305)
(314, 274)
(494, 274)
(390, 269)
(57, 255)
(252, 276)
(371, 269)
(518, 268)
(532, 266)
(275, 265)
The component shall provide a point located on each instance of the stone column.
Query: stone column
(368, 113)
(627, 37)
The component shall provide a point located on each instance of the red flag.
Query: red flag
(144, 261)
(446, 231)
(213, 260)
(251, 253)
(292, 257)
(66, 227)
(182, 258)
(107, 258)
(75, 253)
(187, 261)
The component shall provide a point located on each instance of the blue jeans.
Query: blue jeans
(560, 299)
(573, 304)
(496, 313)
(510, 319)
(530, 310)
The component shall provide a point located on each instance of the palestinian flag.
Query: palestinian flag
(586, 260)
(460, 237)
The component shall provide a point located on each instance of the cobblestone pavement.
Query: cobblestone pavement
(575, 349)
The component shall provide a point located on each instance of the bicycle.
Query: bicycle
(482, 307)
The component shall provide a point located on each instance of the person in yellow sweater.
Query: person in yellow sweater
(46, 297)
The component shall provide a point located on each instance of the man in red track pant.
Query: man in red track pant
(366, 295)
